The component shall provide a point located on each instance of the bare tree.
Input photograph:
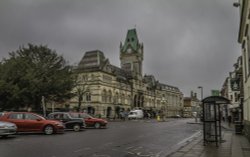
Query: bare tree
(80, 91)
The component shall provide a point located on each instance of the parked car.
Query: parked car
(32, 122)
(69, 121)
(90, 121)
(135, 114)
(7, 128)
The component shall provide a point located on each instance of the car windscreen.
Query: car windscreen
(133, 113)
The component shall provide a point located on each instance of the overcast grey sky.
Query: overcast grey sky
(187, 43)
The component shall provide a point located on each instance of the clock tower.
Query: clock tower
(131, 53)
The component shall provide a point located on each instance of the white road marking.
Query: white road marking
(79, 150)
(158, 154)
(136, 148)
(130, 153)
(139, 154)
(130, 147)
(96, 155)
(189, 138)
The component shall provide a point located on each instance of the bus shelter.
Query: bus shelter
(212, 114)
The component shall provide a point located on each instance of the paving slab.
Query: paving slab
(231, 145)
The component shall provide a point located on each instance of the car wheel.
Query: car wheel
(97, 125)
(76, 127)
(48, 130)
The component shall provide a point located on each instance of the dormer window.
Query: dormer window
(132, 39)
(235, 86)
(128, 40)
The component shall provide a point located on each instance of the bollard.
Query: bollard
(158, 118)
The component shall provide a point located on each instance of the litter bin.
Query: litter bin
(238, 127)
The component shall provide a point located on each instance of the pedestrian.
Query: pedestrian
(149, 115)
(145, 115)
(122, 115)
(125, 115)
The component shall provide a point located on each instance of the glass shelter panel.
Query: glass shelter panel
(212, 118)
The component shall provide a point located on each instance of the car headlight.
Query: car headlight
(59, 124)
(7, 126)
(13, 126)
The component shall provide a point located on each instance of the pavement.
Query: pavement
(232, 145)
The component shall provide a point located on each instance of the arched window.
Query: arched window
(138, 101)
(88, 96)
(145, 101)
(129, 100)
(116, 98)
(122, 98)
(104, 96)
(142, 101)
(109, 96)
(135, 101)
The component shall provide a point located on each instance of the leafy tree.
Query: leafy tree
(32, 72)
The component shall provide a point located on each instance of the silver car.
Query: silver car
(7, 128)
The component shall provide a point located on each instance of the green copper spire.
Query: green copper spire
(131, 41)
(131, 54)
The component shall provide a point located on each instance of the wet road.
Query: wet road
(147, 138)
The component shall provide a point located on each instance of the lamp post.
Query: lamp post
(201, 88)
(163, 108)
(43, 106)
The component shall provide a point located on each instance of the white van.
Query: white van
(135, 114)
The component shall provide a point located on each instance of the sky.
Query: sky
(187, 43)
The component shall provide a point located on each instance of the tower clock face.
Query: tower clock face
(129, 50)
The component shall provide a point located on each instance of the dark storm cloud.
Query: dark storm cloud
(187, 43)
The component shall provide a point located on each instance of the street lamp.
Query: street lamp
(200, 87)
(236, 4)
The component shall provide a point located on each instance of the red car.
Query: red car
(90, 121)
(31, 122)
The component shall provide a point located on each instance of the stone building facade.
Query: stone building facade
(232, 89)
(109, 89)
(192, 106)
(244, 40)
